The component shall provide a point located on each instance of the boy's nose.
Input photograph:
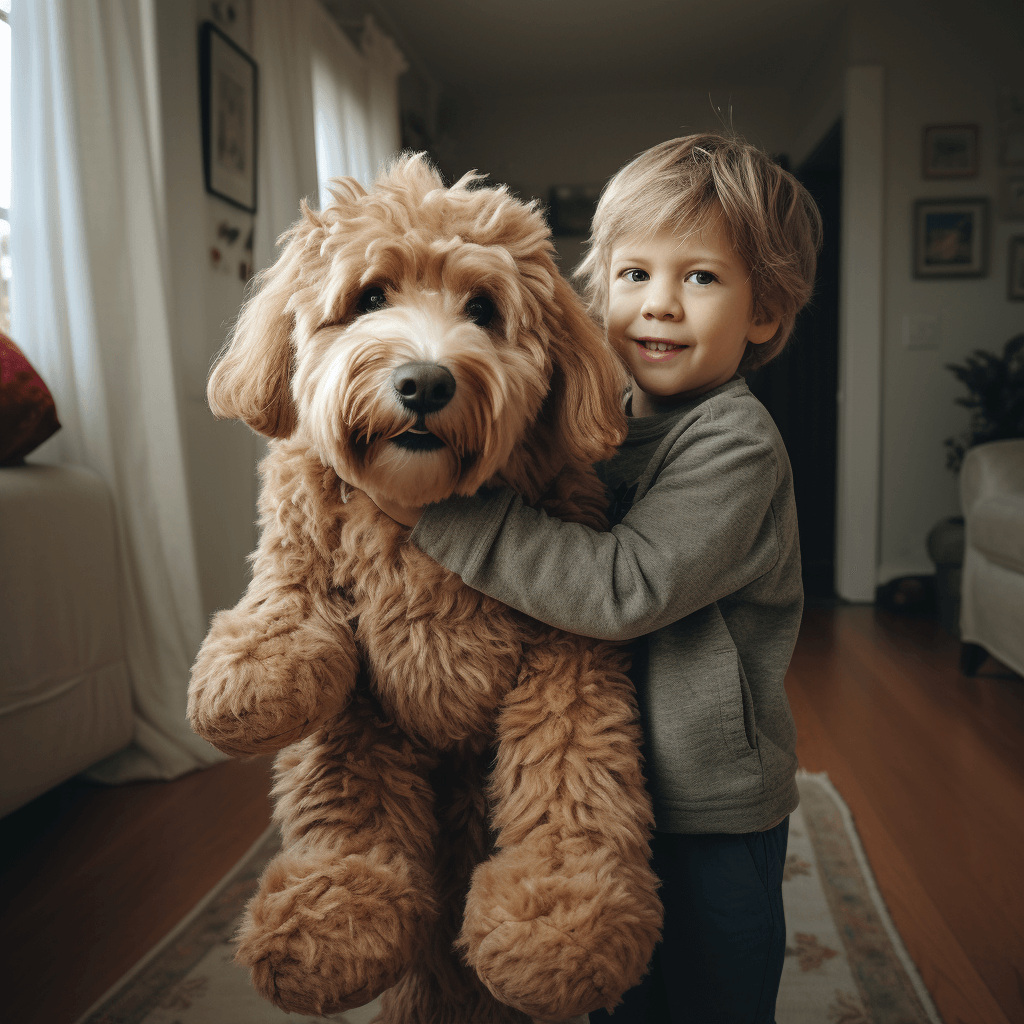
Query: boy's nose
(662, 306)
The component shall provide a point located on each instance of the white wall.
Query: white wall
(943, 64)
(534, 142)
(205, 296)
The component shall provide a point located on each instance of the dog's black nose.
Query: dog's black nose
(423, 387)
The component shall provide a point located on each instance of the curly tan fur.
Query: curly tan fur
(458, 786)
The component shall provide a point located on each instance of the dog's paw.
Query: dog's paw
(260, 685)
(556, 935)
(322, 935)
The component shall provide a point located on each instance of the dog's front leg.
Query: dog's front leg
(564, 917)
(273, 667)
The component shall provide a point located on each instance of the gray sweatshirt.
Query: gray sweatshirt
(701, 568)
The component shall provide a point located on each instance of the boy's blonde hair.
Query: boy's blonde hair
(684, 185)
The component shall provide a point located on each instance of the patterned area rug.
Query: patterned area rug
(845, 962)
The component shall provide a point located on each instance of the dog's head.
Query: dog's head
(422, 341)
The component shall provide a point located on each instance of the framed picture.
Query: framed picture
(950, 237)
(1013, 198)
(950, 151)
(228, 79)
(571, 208)
(1011, 128)
(1016, 269)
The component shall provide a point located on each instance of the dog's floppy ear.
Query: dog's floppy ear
(587, 382)
(251, 380)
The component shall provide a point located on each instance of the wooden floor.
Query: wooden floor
(930, 763)
(932, 766)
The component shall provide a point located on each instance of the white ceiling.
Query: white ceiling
(517, 46)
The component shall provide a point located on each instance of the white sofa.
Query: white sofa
(992, 585)
(65, 700)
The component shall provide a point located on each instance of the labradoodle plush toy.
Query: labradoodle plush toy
(458, 789)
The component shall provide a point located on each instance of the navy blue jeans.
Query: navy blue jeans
(720, 957)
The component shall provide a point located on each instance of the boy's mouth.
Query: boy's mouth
(653, 349)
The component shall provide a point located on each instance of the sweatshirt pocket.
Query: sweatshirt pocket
(697, 743)
(736, 711)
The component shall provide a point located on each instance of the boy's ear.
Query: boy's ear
(762, 330)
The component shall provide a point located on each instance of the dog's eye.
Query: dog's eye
(372, 299)
(480, 310)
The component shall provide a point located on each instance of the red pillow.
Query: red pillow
(27, 413)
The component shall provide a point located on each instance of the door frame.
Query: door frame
(861, 296)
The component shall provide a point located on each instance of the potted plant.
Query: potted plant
(995, 396)
(995, 386)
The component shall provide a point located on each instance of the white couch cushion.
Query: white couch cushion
(65, 698)
(996, 528)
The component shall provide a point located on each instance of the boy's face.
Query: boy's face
(680, 311)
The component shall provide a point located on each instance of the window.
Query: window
(5, 167)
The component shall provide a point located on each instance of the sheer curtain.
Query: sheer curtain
(91, 302)
(355, 97)
(286, 164)
(327, 109)
(90, 306)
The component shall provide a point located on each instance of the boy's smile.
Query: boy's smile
(680, 312)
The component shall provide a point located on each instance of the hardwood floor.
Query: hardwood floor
(92, 878)
(930, 763)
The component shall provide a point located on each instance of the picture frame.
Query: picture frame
(950, 238)
(228, 79)
(1015, 269)
(1012, 193)
(1011, 128)
(950, 151)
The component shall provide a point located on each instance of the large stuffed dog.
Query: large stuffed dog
(459, 790)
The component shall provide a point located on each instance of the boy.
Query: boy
(703, 251)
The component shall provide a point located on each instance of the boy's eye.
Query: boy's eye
(636, 276)
(702, 277)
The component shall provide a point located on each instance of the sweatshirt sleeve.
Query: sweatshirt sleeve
(702, 531)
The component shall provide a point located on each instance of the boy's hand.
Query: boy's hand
(407, 515)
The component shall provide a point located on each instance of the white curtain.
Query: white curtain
(384, 64)
(355, 97)
(90, 306)
(327, 109)
(286, 165)
(91, 302)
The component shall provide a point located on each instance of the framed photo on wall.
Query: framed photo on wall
(1013, 198)
(1011, 128)
(228, 91)
(950, 151)
(1016, 268)
(950, 238)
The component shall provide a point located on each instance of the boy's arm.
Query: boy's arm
(704, 530)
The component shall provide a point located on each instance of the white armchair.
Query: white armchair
(992, 587)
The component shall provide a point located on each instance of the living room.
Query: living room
(913, 109)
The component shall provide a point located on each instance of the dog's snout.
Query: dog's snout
(423, 387)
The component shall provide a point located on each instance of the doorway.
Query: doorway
(799, 388)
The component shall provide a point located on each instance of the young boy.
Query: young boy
(703, 251)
